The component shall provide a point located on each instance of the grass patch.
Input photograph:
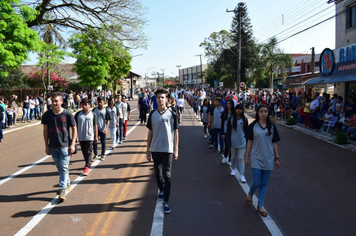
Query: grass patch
(291, 121)
(341, 138)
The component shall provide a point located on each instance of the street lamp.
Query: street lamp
(179, 66)
(147, 74)
(131, 76)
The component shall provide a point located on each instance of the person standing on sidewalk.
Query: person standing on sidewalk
(127, 114)
(162, 145)
(235, 139)
(87, 132)
(104, 117)
(262, 153)
(2, 120)
(58, 143)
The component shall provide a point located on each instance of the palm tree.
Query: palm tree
(275, 59)
(50, 34)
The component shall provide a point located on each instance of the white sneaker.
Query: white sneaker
(243, 180)
(233, 172)
(223, 160)
(229, 163)
(205, 136)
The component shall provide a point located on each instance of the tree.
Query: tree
(16, 38)
(216, 44)
(248, 45)
(97, 62)
(35, 80)
(275, 59)
(122, 19)
(14, 79)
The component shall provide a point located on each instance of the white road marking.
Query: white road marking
(23, 127)
(23, 170)
(158, 219)
(42, 213)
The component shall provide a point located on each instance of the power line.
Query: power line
(285, 30)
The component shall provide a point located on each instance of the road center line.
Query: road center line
(42, 213)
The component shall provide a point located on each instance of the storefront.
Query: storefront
(337, 72)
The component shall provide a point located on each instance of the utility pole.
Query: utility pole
(179, 66)
(163, 77)
(238, 72)
(312, 64)
(201, 67)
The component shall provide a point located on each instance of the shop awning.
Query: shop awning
(331, 79)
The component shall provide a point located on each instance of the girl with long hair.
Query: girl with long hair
(229, 106)
(236, 141)
(261, 154)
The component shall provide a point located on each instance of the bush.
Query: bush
(291, 121)
(341, 138)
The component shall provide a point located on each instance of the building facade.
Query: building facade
(338, 66)
(191, 76)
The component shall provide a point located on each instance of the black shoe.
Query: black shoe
(166, 208)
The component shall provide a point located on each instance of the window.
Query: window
(351, 16)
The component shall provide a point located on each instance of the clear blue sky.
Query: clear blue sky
(176, 28)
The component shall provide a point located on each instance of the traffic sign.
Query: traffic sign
(242, 84)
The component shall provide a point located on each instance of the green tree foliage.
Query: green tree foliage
(16, 38)
(275, 59)
(216, 44)
(101, 62)
(14, 79)
(121, 19)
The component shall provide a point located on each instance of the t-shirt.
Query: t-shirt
(127, 108)
(154, 102)
(114, 113)
(217, 114)
(333, 105)
(162, 126)
(119, 109)
(144, 103)
(85, 123)
(236, 139)
(204, 110)
(103, 115)
(262, 153)
(58, 128)
(180, 102)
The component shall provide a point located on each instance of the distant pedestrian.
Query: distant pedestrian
(143, 105)
(104, 118)
(2, 120)
(26, 109)
(162, 145)
(114, 122)
(87, 132)
(58, 143)
(262, 153)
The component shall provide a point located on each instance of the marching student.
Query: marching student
(204, 116)
(87, 132)
(104, 117)
(228, 110)
(127, 114)
(216, 124)
(235, 139)
(262, 153)
(57, 123)
(162, 145)
(114, 122)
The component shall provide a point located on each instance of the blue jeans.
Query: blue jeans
(61, 159)
(238, 154)
(218, 133)
(37, 112)
(102, 138)
(259, 180)
(31, 113)
(120, 129)
(25, 112)
(300, 119)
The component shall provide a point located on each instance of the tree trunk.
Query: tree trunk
(271, 79)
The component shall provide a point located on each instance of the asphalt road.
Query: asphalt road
(311, 194)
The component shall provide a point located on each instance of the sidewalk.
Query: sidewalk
(324, 136)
